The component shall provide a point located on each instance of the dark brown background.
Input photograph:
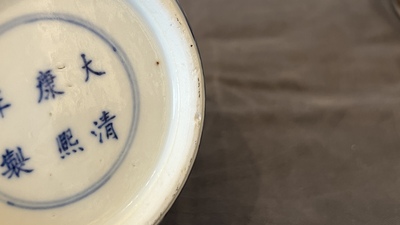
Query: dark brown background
(303, 114)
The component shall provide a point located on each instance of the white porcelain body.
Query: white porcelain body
(152, 82)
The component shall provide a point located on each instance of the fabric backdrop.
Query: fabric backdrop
(303, 114)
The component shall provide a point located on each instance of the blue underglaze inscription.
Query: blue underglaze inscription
(14, 162)
(89, 70)
(46, 86)
(3, 106)
(67, 144)
(105, 126)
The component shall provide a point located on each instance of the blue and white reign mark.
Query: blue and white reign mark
(20, 163)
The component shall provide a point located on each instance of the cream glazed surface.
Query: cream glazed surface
(101, 110)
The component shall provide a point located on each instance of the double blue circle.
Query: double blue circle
(34, 18)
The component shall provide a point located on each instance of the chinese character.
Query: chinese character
(88, 69)
(3, 107)
(46, 86)
(66, 146)
(14, 161)
(106, 123)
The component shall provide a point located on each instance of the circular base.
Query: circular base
(101, 107)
